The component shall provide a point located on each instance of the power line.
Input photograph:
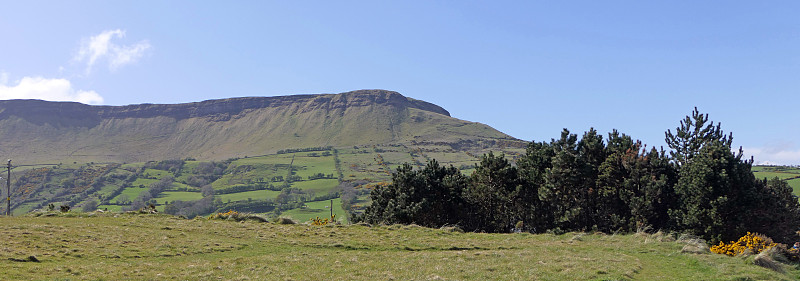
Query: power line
(8, 182)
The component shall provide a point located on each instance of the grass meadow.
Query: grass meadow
(153, 247)
(255, 195)
(790, 174)
(318, 209)
(169, 196)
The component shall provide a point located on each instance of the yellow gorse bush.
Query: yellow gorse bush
(226, 215)
(752, 241)
(325, 221)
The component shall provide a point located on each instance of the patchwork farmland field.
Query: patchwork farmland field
(295, 181)
(789, 174)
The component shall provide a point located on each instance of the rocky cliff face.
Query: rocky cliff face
(73, 113)
(219, 129)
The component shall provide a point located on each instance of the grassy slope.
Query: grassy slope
(318, 209)
(784, 173)
(255, 195)
(373, 163)
(155, 247)
(335, 120)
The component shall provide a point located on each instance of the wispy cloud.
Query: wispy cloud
(779, 154)
(46, 89)
(100, 48)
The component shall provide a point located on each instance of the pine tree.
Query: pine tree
(776, 211)
(591, 153)
(493, 193)
(713, 189)
(613, 212)
(692, 135)
(562, 192)
(635, 186)
(429, 197)
(533, 168)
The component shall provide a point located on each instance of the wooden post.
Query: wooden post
(8, 189)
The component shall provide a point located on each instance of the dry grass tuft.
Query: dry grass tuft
(410, 226)
(695, 248)
(770, 258)
(659, 236)
(285, 220)
(693, 244)
(578, 237)
(643, 231)
(454, 228)
(256, 218)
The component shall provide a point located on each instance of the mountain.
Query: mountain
(41, 131)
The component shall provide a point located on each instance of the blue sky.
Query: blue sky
(527, 68)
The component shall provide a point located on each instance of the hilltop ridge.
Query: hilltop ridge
(217, 129)
(39, 111)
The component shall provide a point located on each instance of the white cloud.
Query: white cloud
(46, 89)
(100, 48)
(125, 55)
(775, 155)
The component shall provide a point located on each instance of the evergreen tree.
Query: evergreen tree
(714, 188)
(533, 168)
(692, 135)
(429, 197)
(562, 190)
(613, 211)
(653, 182)
(591, 153)
(776, 212)
(635, 186)
(493, 195)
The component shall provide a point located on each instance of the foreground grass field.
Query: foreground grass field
(152, 247)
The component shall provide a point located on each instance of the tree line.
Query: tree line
(700, 186)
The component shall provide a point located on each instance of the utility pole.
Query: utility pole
(8, 182)
(8, 189)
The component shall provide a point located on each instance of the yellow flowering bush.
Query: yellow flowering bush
(325, 221)
(752, 241)
(226, 215)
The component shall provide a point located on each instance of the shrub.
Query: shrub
(325, 221)
(236, 216)
(752, 243)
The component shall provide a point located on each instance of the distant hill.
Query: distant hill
(36, 131)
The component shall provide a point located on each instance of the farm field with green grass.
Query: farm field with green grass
(320, 186)
(314, 172)
(255, 195)
(319, 209)
(795, 184)
(790, 174)
(150, 247)
(169, 196)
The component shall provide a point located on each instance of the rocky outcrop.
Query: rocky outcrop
(80, 115)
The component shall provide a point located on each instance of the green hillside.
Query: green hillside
(151, 247)
(268, 155)
(62, 132)
(296, 182)
(789, 174)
